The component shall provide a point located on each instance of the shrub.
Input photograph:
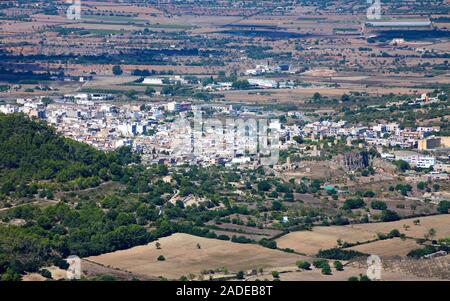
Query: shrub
(161, 258)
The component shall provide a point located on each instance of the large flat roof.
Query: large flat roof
(398, 23)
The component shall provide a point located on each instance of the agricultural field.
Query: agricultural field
(438, 222)
(293, 274)
(182, 257)
(394, 247)
(310, 242)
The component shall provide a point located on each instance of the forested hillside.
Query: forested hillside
(32, 152)
(35, 159)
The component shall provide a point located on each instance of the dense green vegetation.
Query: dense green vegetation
(340, 254)
(33, 155)
(406, 114)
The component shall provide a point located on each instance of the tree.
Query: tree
(131, 94)
(404, 188)
(326, 269)
(241, 85)
(338, 265)
(264, 186)
(317, 96)
(369, 194)
(345, 98)
(319, 263)
(161, 258)
(402, 166)
(378, 205)
(275, 274)
(10, 275)
(117, 70)
(394, 233)
(240, 275)
(46, 273)
(158, 245)
(389, 216)
(365, 173)
(276, 205)
(304, 265)
(421, 185)
(298, 139)
(443, 207)
(149, 91)
(353, 204)
(431, 233)
(338, 254)
(268, 243)
(46, 101)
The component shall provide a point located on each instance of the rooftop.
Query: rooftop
(399, 23)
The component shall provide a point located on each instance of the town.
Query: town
(150, 129)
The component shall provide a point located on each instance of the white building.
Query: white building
(419, 161)
(263, 83)
(153, 81)
(8, 109)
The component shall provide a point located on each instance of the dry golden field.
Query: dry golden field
(310, 242)
(299, 95)
(441, 223)
(388, 248)
(349, 271)
(183, 257)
